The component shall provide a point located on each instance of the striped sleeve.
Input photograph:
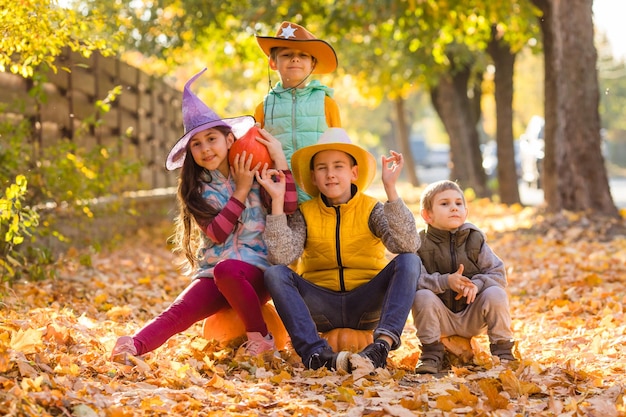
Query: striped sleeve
(291, 194)
(223, 224)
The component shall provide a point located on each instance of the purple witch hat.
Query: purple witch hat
(197, 117)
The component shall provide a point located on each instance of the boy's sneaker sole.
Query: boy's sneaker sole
(343, 361)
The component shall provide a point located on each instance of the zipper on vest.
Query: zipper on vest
(294, 134)
(453, 252)
(342, 283)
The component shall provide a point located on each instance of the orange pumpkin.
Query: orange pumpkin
(352, 340)
(225, 325)
(249, 144)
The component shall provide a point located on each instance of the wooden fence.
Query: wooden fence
(144, 121)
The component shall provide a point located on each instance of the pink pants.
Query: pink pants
(236, 284)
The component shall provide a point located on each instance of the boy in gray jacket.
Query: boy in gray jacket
(461, 290)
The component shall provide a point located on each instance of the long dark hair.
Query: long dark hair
(194, 212)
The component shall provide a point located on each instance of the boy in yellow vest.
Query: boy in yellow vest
(344, 279)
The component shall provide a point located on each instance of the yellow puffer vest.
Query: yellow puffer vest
(341, 252)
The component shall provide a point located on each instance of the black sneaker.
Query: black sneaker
(377, 353)
(330, 360)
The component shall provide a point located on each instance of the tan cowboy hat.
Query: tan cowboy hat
(333, 138)
(197, 117)
(291, 35)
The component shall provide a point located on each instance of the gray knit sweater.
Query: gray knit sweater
(392, 222)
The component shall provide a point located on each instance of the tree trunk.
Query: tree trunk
(504, 62)
(403, 137)
(454, 107)
(575, 176)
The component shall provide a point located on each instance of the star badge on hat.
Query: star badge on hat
(292, 35)
(288, 32)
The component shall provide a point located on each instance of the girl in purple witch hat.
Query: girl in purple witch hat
(219, 228)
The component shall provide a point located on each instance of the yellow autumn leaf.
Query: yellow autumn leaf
(100, 298)
(593, 279)
(181, 369)
(5, 359)
(329, 405)
(346, 395)
(216, 381)
(494, 399)
(33, 385)
(515, 387)
(26, 341)
(58, 334)
(412, 403)
(118, 313)
(465, 397)
(70, 369)
(282, 376)
(148, 403)
(446, 403)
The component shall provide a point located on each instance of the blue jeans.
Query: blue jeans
(383, 304)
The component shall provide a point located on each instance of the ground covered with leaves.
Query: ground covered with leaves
(566, 282)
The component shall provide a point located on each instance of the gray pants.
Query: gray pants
(489, 313)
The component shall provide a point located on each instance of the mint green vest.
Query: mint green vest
(296, 117)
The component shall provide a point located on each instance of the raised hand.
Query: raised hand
(392, 167)
(273, 180)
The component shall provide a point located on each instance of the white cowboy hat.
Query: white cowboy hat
(333, 138)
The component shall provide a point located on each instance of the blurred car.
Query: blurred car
(419, 150)
(489, 153)
(531, 147)
(438, 156)
(429, 156)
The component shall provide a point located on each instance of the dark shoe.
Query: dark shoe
(503, 350)
(377, 353)
(330, 360)
(431, 359)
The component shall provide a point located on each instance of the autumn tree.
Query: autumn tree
(513, 25)
(35, 32)
(394, 48)
(442, 47)
(504, 62)
(574, 174)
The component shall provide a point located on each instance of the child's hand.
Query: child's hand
(392, 167)
(243, 175)
(273, 180)
(463, 286)
(275, 149)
